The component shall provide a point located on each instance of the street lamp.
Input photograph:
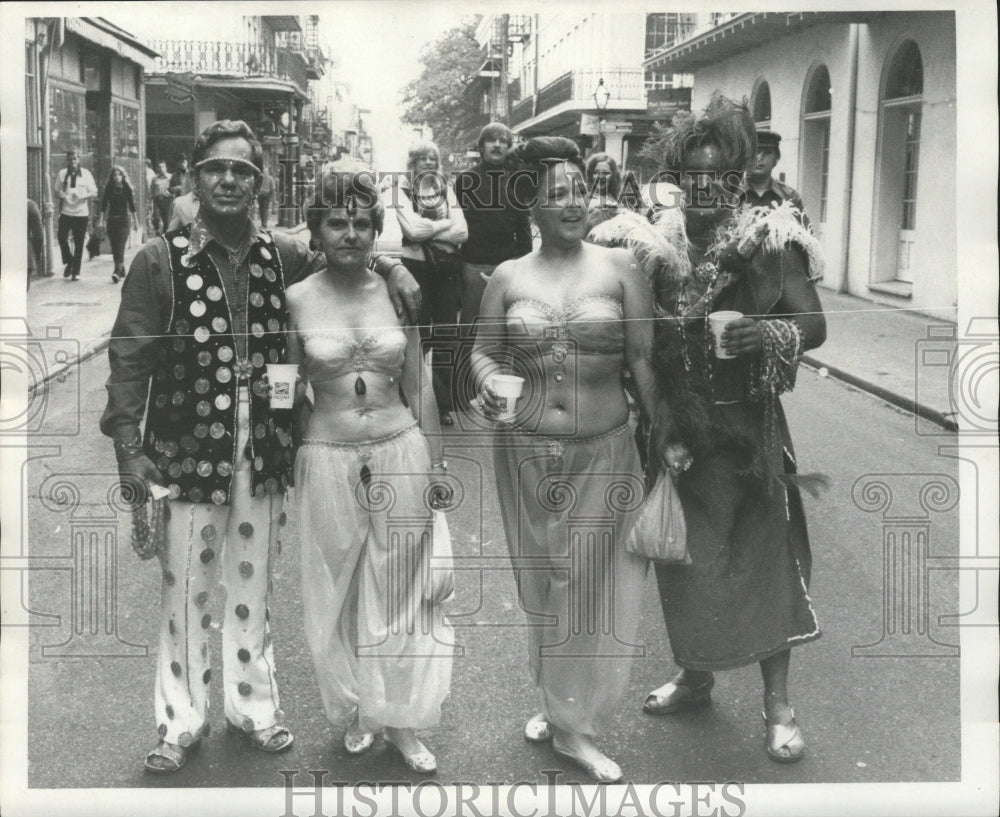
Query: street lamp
(601, 98)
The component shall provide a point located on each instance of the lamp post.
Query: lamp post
(601, 98)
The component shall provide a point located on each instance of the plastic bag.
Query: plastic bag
(440, 583)
(660, 532)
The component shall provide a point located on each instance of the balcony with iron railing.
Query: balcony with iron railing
(521, 112)
(626, 89)
(306, 44)
(229, 59)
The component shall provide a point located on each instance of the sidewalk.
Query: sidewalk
(901, 357)
(83, 311)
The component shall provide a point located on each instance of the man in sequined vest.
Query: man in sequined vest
(202, 313)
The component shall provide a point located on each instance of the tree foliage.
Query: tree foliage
(437, 98)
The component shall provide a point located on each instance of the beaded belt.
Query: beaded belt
(365, 448)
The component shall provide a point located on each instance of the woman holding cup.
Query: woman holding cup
(736, 330)
(364, 474)
(568, 319)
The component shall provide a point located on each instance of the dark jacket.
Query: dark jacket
(498, 229)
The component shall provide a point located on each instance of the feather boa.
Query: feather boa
(772, 229)
(660, 247)
(684, 295)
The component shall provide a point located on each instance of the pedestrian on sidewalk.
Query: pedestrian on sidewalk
(159, 193)
(74, 189)
(183, 211)
(499, 229)
(264, 198)
(118, 217)
(743, 599)
(202, 311)
(180, 180)
(36, 242)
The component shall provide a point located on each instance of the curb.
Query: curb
(62, 371)
(921, 410)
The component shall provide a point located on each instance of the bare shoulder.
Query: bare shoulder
(506, 272)
(300, 293)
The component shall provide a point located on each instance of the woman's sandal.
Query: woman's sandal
(538, 729)
(421, 762)
(676, 697)
(785, 743)
(357, 743)
(604, 770)
(273, 739)
(167, 758)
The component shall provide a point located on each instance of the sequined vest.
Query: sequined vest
(191, 419)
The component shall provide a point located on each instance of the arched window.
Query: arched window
(906, 73)
(760, 106)
(899, 160)
(819, 98)
(815, 173)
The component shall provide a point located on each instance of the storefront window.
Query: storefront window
(65, 120)
(126, 131)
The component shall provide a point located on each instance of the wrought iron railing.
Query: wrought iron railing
(559, 90)
(208, 57)
(228, 59)
(521, 112)
(623, 84)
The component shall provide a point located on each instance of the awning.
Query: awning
(107, 35)
(744, 32)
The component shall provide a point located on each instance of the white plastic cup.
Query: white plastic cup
(282, 377)
(508, 388)
(718, 321)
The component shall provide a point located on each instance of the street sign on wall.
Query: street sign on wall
(663, 103)
(623, 128)
(180, 88)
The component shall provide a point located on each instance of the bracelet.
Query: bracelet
(128, 443)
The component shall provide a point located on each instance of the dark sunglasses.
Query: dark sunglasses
(240, 168)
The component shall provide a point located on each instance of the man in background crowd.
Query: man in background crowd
(75, 187)
(498, 231)
(180, 183)
(160, 196)
(761, 189)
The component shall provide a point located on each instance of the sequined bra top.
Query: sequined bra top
(332, 354)
(592, 325)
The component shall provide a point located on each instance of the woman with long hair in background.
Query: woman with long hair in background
(118, 216)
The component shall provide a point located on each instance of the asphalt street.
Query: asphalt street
(889, 715)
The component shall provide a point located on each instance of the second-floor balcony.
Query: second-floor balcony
(229, 59)
(306, 44)
(574, 91)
